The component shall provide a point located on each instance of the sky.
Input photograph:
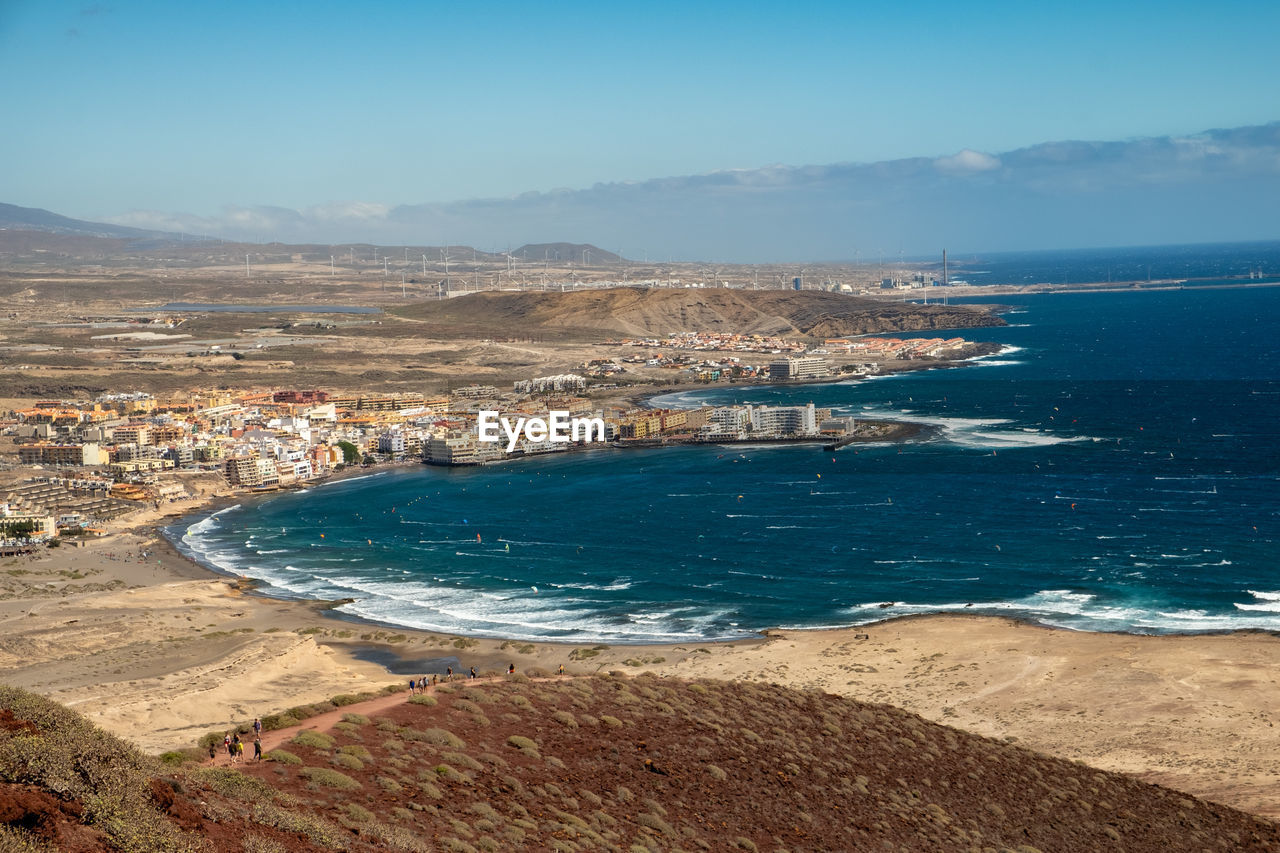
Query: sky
(725, 131)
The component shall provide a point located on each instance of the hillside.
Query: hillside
(657, 311)
(15, 218)
(592, 763)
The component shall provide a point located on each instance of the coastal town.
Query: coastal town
(92, 460)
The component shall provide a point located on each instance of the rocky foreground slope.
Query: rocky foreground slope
(592, 763)
(659, 311)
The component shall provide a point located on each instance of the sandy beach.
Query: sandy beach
(159, 650)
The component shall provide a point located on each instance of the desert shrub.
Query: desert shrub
(440, 737)
(520, 701)
(424, 699)
(54, 748)
(746, 844)
(611, 721)
(262, 844)
(233, 783)
(282, 756)
(430, 790)
(495, 760)
(358, 813)
(316, 829)
(486, 811)
(716, 773)
(588, 720)
(346, 762)
(326, 778)
(179, 757)
(654, 822)
(564, 718)
(461, 760)
(344, 699)
(393, 688)
(275, 722)
(17, 840)
(390, 785)
(449, 774)
(524, 744)
(466, 706)
(303, 712)
(351, 730)
(313, 739)
(358, 751)
(355, 719)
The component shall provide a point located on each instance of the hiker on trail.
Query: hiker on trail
(448, 673)
(257, 749)
(473, 672)
(239, 751)
(412, 685)
(561, 671)
(235, 747)
(511, 669)
(434, 679)
(230, 747)
(213, 752)
(257, 726)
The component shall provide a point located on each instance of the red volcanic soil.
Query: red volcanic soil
(616, 763)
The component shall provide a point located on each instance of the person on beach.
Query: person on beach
(257, 749)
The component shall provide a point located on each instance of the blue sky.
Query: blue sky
(212, 114)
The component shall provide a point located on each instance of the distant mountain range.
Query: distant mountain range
(35, 219)
(16, 218)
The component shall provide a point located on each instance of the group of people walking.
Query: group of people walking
(234, 746)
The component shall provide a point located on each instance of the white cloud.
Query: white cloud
(967, 161)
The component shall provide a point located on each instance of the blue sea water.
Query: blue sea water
(1116, 467)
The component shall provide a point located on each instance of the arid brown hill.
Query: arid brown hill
(594, 763)
(657, 311)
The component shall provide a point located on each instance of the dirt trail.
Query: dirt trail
(324, 722)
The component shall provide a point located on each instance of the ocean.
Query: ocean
(1114, 467)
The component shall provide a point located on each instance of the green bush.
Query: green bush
(346, 762)
(313, 739)
(275, 722)
(324, 777)
(423, 699)
(524, 744)
(282, 756)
